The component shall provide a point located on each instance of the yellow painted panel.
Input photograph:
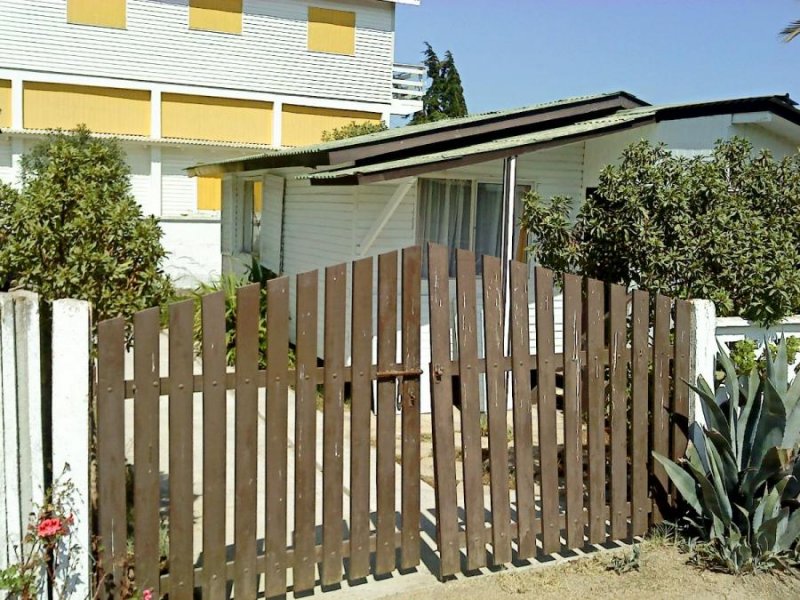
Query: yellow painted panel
(5, 103)
(103, 13)
(258, 196)
(209, 193)
(104, 110)
(331, 31)
(224, 16)
(216, 119)
(303, 125)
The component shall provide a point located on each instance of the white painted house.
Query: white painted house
(186, 81)
(458, 182)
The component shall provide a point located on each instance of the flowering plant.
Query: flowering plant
(43, 555)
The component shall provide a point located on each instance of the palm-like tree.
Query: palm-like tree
(791, 32)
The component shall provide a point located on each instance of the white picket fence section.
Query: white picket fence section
(44, 403)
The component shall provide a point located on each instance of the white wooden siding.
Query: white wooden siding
(269, 56)
(138, 158)
(398, 231)
(6, 168)
(271, 221)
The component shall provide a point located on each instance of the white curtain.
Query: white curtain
(444, 215)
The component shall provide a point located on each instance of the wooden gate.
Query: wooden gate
(264, 545)
(617, 374)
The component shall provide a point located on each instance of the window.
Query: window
(463, 214)
(250, 221)
(102, 13)
(332, 31)
(209, 193)
(222, 16)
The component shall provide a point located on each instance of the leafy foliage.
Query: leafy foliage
(353, 129)
(724, 227)
(791, 31)
(444, 97)
(74, 230)
(745, 357)
(741, 474)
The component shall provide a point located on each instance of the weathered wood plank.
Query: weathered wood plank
(523, 422)
(660, 405)
(411, 409)
(496, 400)
(146, 484)
(618, 374)
(246, 432)
(215, 417)
(360, 416)
(573, 434)
(442, 406)
(639, 422)
(595, 397)
(277, 436)
(681, 379)
(305, 442)
(333, 424)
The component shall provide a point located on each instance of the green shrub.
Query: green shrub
(353, 129)
(741, 474)
(745, 358)
(74, 229)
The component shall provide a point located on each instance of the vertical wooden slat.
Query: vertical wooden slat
(305, 469)
(360, 407)
(472, 460)
(523, 423)
(246, 431)
(146, 488)
(681, 379)
(214, 444)
(410, 409)
(639, 400)
(496, 401)
(546, 377)
(659, 406)
(111, 448)
(442, 406)
(595, 397)
(181, 425)
(387, 397)
(618, 374)
(573, 443)
(277, 422)
(333, 424)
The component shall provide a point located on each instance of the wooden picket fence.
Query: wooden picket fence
(605, 366)
(601, 365)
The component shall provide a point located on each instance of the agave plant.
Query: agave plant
(741, 473)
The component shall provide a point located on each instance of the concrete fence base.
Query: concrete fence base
(44, 423)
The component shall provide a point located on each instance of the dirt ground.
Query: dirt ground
(663, 573)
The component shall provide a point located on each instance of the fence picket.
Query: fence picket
(523, 422)
(639, 398)
(680, 389)
(305, 441)
(595, 399)
(215, 418)
(659, 405)
(146, 488)
(246, 431)
(471, 458)
(410, 457)
(360, 417)
(277, 440)
(573, 434)
(333, 424)
(111, 449)
(546, 386)
(618, 374)
(496, 400)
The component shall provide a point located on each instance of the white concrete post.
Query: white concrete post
(70, 430)
(29, 399)
(11, 514)
(702, 350)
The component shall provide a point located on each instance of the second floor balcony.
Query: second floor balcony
(408, 87)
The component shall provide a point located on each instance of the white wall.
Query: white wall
(194, 250)
(269, 56)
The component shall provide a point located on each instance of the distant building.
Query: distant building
(181, 82)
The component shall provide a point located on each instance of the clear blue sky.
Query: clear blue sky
(517, 52)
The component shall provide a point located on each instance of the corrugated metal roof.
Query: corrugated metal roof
(411, 130)
(597, 126)
(145, 139)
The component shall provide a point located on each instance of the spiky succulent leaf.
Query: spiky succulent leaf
(684, 482)
(791, 534)
(714, 417)
(769, 429)
(718, 480)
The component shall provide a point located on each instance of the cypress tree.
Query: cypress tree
(444, 97)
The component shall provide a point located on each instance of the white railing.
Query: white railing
(734, 329)
(408, 88)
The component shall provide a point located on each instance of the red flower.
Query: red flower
(50, 527)
(147, 594)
